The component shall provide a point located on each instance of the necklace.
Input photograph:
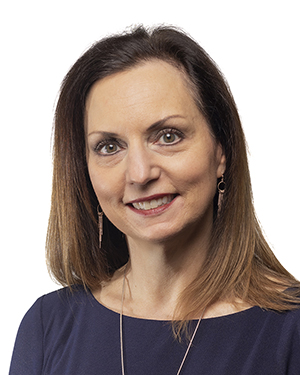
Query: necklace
(121, 332)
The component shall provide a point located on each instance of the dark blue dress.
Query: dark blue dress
(72, 334)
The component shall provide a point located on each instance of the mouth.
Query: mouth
(153, 203)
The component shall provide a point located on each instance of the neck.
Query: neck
(159, 272)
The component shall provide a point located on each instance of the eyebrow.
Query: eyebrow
(161, 122)
(156, 125)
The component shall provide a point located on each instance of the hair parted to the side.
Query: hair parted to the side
(240, 262)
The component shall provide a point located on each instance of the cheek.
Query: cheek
(198, 187)
(106, 187)
(199, 171)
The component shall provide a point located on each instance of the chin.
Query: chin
(164, 234)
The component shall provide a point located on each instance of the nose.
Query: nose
(141, 166)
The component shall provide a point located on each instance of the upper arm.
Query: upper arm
(27, 358)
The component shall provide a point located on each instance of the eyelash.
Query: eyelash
(106, 142)
(176, 132)
(158, 136)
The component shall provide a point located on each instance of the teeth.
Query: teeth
(154, 203)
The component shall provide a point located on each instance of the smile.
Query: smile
(153, 203)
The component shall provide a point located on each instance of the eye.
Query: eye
(169, 137)
(107, 148)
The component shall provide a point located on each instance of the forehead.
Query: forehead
(153, 89)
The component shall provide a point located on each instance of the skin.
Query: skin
(146, 139)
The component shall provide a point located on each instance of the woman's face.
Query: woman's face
(151, 157)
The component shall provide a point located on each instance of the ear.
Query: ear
(221, 161)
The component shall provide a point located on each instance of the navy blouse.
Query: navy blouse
(72, 334)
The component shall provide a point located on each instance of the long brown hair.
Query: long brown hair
(240, 262)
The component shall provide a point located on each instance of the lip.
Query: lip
(151, 211)
(150, 197)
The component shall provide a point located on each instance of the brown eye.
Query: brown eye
(108, 149)
(169, 137)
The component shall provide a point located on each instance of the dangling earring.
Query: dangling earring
(221, 190)
(100, 225)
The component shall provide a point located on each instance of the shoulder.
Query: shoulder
(283, 322)
(62, 306)
(57, 302)
(291, 318)
(48, 316)
(280, 333)
(65, 297)
(288, 348)
(291, 324)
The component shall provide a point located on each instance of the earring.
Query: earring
(100, 225)
(221, 190)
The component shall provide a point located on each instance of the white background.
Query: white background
(255, 43)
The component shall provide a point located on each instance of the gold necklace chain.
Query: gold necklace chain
(121, 332)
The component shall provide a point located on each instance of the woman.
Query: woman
(152, 228)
